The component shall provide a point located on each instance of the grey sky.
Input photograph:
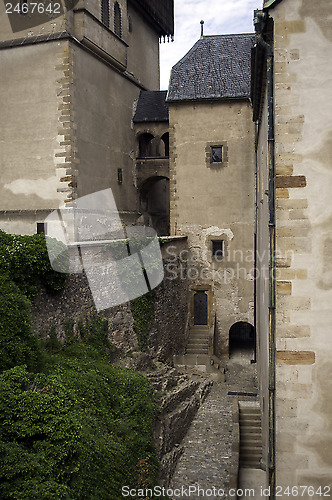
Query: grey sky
(220, 17)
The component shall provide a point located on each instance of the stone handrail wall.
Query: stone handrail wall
(212, 329)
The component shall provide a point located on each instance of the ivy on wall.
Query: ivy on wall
(142, 309)
(24, 268)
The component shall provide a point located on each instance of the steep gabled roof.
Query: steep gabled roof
(151, 107)
(216, 67)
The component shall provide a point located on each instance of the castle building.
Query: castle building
(291, 93)
(69, 84)
(152, 159)
(236, 157)
(212, 182)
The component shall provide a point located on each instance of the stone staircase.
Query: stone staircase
(197, 355)
(250, 434)
(198, 342)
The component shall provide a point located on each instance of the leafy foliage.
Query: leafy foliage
(81, 427)
(142, 309)
(18, 345)
(26, 260)
(79, 431)
(24, 266)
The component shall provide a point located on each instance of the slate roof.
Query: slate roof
(216, 67)
(151, 107)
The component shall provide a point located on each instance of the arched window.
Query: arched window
(165, 144)
(146, 146)
(117, 20)
(105, 12)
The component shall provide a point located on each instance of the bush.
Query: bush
(82, 431)
(26, 259)
(18, 345)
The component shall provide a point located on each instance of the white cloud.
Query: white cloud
(220, 17)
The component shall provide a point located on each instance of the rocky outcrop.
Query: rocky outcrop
(180, 398)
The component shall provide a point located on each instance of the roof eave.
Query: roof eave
(270, 4)
(209, 99)
(155, 120)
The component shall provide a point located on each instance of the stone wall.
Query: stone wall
(167, 335)
(303, 126)
(75, 302)
(215, 203)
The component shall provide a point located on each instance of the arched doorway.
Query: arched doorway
(242, 340)
(154, 204)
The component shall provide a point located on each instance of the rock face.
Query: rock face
(75, 303)
(167, 334)
(181, 396)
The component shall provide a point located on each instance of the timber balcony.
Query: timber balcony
(150, 167)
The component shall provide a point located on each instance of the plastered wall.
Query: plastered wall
(215, 202)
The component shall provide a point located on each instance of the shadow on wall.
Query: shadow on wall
(154, 204)
(153, 147)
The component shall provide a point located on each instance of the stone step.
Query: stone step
(250, 465)
(249, 428)
(256, 438)
(250, 435)
(249, 454)
(191, 359)
(199, 362)
(197, 351)
(198, 340)
(198, 336)
(204, 333)
(197, 346)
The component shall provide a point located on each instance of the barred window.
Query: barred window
(117, 20)
(105, 12)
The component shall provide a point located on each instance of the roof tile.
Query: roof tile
(216, 67)
(151, 107)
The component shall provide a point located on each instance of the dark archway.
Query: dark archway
(242, 339)
(154, 204)
(146, 145)
(164, 145)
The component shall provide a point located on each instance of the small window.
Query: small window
(41, 227)
(119, 175)
(105, 12)
(216, 154)
(217, 249)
